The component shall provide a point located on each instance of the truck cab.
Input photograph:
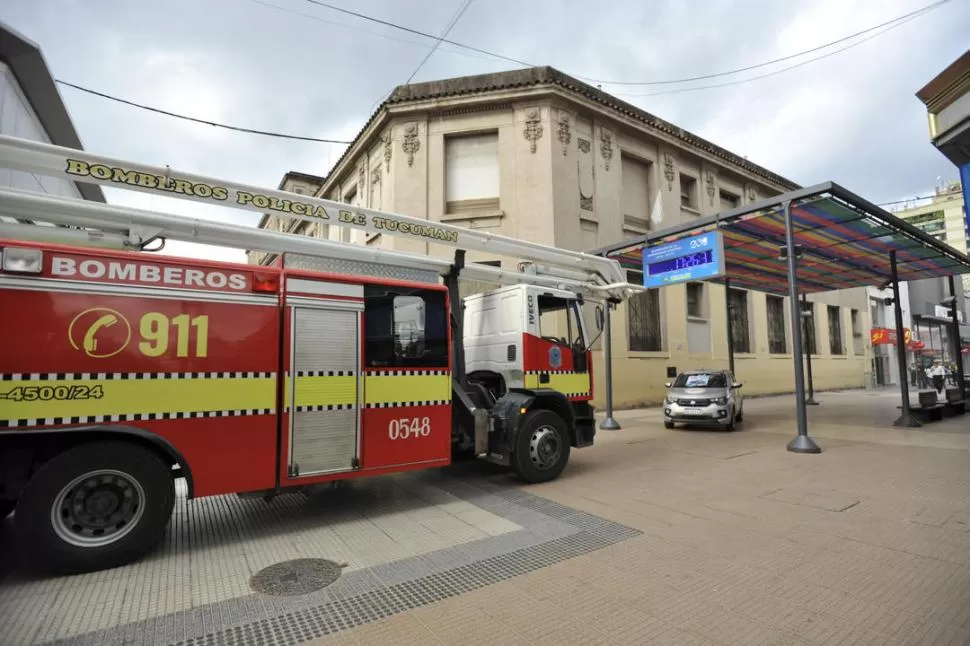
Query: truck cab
(528, 337)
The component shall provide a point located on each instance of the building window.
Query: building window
(405, 328)
(729, 200)
(471, 173)
(777, 340)
(858, 344)
(688, 191)
(635, 177)
(695, 301)
(835, 330)
(738, 315)
(643, 318)
(808, 328)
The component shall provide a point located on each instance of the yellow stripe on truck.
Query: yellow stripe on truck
(575, 383)
(408, 389)
(65, 397)
(325, 391)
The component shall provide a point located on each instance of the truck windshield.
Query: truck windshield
(560, 321)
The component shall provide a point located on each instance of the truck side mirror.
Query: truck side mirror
(599, 318)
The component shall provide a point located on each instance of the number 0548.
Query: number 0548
(414, 427)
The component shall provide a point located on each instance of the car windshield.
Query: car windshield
(701, 380)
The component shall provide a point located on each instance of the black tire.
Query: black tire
(740, 417)
(541, 447)
(668, 424)
(6, 507)
(732, 425)
(128, 473)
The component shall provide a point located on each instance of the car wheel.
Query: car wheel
(541, 447)
(731, 425)
(95, 506)
(668, 424)
(740, 417)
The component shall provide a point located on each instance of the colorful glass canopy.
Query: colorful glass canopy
(845, 242)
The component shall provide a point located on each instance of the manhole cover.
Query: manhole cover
(299, 576)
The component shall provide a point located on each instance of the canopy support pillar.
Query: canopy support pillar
(808, 355)
(957, 343)
(906, 419)
(610, 423)
(802, 443)
(730, 333)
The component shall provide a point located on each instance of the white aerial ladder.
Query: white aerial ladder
(93, 223)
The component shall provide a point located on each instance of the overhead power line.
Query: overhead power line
(214, 124)
(451, 25)
(789, 57)
(496, 55)
(782, 70)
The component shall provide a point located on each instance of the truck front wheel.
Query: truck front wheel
(95, 506)
(541, 447)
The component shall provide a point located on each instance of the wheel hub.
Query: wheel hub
(97, 508)
(544, 447)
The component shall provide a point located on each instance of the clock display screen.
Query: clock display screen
(683, 262)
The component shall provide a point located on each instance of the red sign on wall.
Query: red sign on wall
(886, 336)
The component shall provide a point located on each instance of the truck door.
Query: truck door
(557, 359)
(322, 393)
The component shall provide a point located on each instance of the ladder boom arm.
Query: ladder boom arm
(81, 166)
(138, 226)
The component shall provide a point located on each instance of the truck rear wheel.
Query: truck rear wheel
(541, 447)
(95, 506)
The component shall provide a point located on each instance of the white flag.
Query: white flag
(657, 214)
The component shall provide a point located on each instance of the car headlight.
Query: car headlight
(720, 401)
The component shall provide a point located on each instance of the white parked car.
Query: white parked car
(704, 397)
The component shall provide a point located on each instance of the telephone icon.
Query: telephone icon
(90, 339)
(87, 332)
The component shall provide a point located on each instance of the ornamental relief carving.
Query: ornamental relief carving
(411, 145)
(583, 145)
(533, 129)
(606, 147)
(669, 170)
(711, 185)
(564, 132)
(388, 150)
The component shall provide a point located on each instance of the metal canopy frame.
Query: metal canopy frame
(816, 239)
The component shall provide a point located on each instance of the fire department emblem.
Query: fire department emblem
(555, 357)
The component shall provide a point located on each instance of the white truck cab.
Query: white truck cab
(527, 336)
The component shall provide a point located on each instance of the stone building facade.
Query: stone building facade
(537, 155)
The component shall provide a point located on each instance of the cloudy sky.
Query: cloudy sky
(296, 67)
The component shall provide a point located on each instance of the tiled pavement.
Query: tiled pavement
(651, 537)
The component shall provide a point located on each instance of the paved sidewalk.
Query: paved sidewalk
(650, 537)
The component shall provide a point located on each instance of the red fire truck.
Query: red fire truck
(122, 370)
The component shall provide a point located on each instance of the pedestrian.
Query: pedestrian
(913, 374)
(937, 373)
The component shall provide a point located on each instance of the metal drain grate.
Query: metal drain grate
(299, 576)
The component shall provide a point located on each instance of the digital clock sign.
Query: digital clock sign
(699, 257)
